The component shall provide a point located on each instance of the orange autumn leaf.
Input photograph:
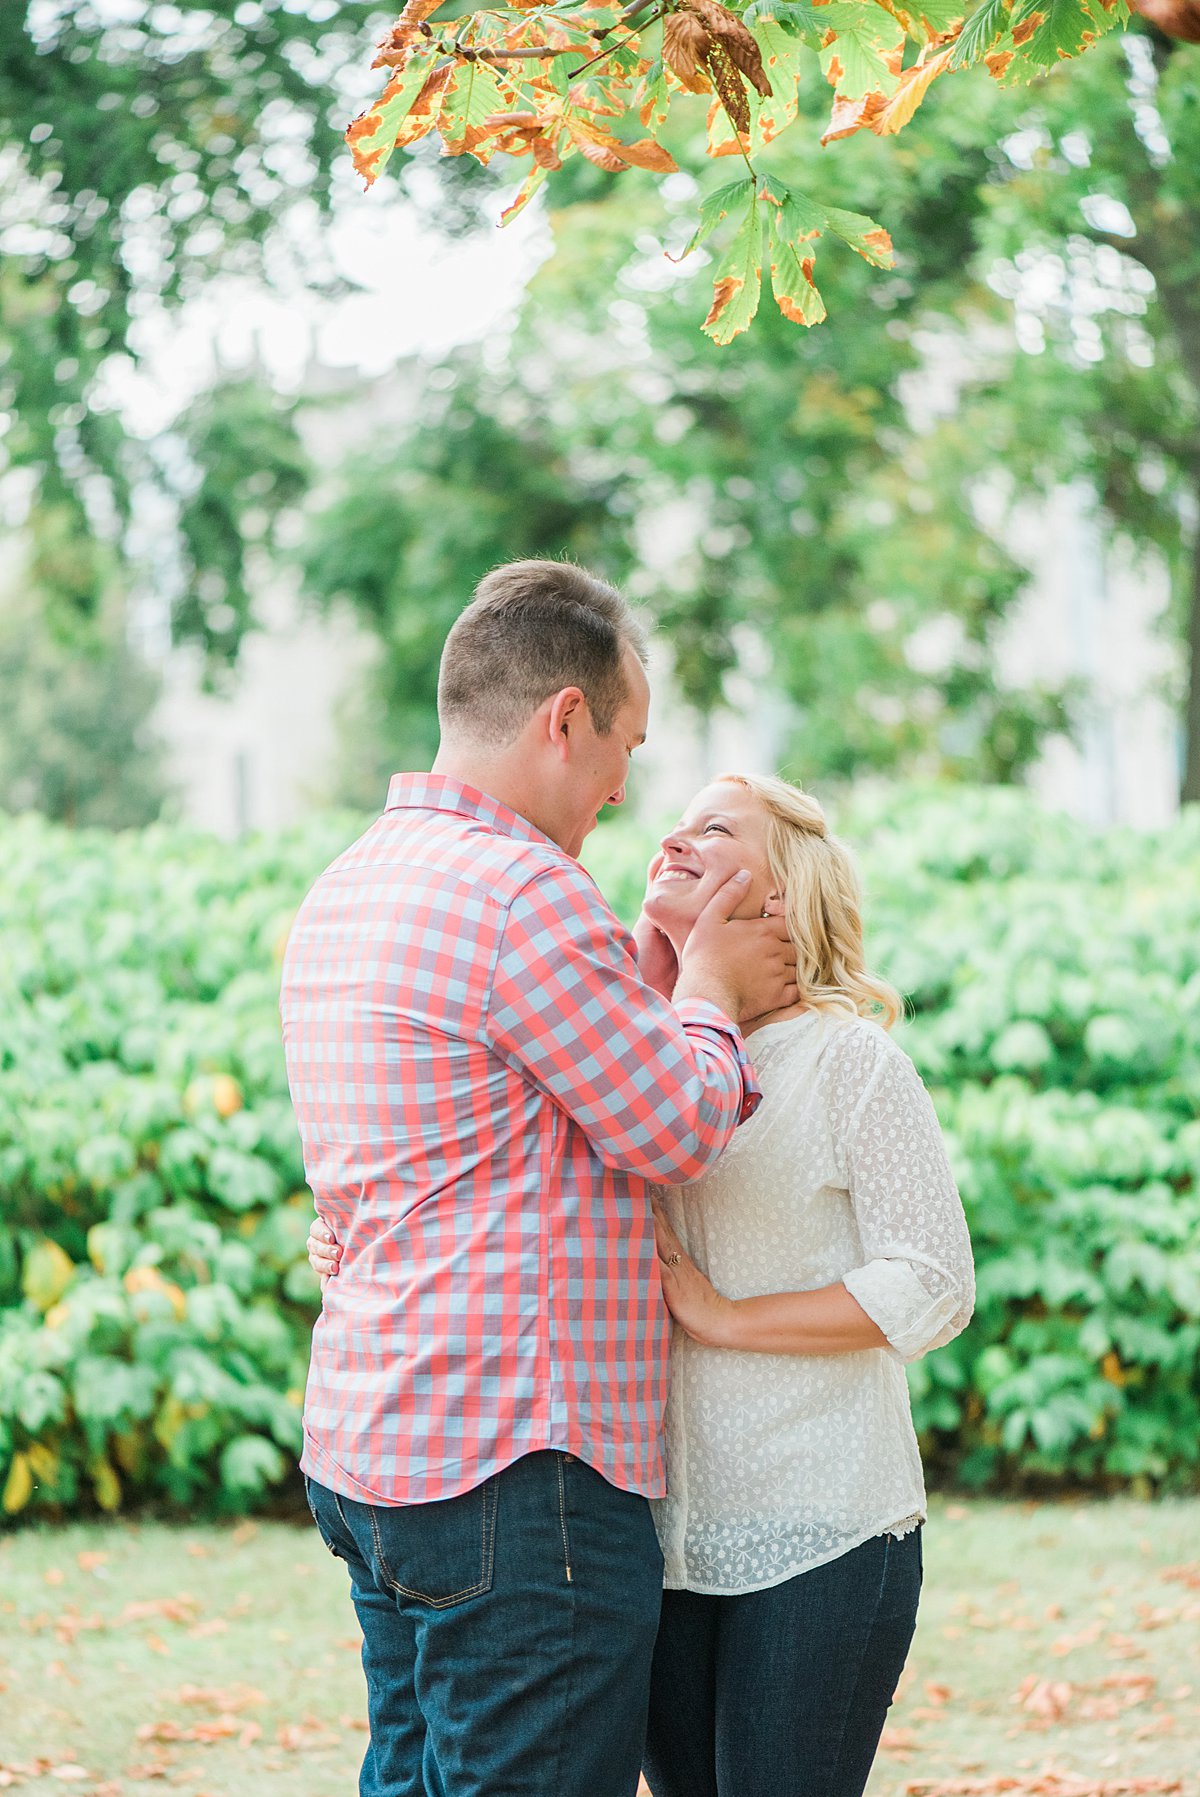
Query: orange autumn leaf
(915, 83)
(644, 154)
(849, 116)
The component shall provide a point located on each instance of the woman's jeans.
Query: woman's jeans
(507, 1633)
(784, 1692)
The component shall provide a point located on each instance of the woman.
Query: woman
(825, 1249)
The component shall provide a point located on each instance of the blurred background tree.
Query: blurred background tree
(829, 509)
(146, 150)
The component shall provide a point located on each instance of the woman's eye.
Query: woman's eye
(720, 827)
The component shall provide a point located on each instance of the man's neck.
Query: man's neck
(493, 774)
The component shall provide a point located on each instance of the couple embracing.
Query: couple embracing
(524, 1131)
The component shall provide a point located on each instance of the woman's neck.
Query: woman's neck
(758, 1023)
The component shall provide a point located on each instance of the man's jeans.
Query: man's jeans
(507, 1633)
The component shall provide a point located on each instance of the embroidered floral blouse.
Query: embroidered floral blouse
(778, 1463)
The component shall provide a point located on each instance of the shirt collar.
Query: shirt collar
(435, 792)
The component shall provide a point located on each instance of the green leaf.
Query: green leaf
(738, 280)
(808, 22)
(782, 53)
(372, 136)
(862, 234)
(864, 33)
(524, 194)
(937, 15)
(654, 98)
(1066, 27)
(713, 208)
(41, 1400)
(47, 1273)
(979, 33)
(107, 1390)
(241, 1180)
(791, 268)
(105, 1159)
(249, 1464)
(472, 96)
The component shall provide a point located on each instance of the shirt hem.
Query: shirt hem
(321, 1467)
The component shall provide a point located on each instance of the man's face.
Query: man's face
(600, 764)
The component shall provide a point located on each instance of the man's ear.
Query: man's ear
(566, 711)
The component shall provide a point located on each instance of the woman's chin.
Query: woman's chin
(670, 911)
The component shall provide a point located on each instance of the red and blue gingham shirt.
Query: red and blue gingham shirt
(484, 1085)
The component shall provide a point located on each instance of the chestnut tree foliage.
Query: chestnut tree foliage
(549, 82)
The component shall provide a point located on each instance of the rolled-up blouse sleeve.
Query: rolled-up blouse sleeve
(917, 1281)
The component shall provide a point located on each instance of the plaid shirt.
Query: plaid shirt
(484, 1085)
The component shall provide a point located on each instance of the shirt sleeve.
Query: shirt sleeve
(917, 1281)
(658, 1091)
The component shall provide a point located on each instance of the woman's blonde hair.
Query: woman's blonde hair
(822, 904)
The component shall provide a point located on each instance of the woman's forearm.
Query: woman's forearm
(826, 1321)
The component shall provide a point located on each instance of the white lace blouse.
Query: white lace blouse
(780, 1462)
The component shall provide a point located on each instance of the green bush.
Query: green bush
(155, 1301)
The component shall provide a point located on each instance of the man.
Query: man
(484, 1083)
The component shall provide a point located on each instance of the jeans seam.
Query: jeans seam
(569, 1699)
(836, 1763)
(562, 1518)
(487, 1553)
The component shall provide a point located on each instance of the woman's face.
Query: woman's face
(723, 829)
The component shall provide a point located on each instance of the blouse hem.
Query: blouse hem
(897, 1527)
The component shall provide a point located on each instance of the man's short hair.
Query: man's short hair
(532, 629)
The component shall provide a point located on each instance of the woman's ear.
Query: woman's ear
(773, 905)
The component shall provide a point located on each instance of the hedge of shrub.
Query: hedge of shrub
(155, 1301)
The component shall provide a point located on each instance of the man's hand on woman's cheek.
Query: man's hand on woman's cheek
(657, 961)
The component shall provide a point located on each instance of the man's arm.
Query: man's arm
(657, 1090)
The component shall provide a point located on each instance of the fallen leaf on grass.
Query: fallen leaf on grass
(1188, 1575)
(222, 1698)
(1081, 1638)
(1124, 1647)
(72, 1623)
(1149, 1731)
(183, 1608)
(304, 1736)
(17, 1771)
(1043, 1697)
(90, 1562)
(898, 1740)
(1045, 1784)
(221, 1728)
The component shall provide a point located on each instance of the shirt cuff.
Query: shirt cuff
(894, 1299)
(698, 1014)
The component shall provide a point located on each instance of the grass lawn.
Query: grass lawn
(1059, 1647)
